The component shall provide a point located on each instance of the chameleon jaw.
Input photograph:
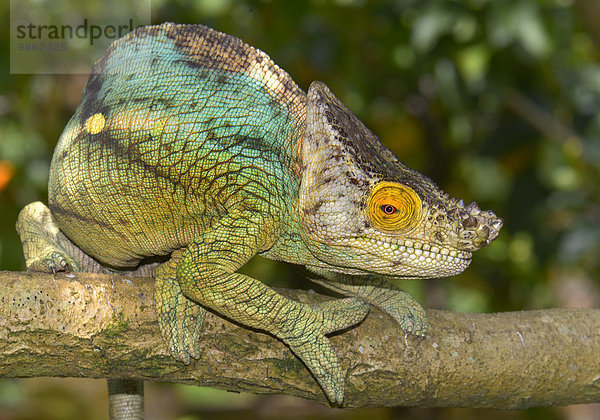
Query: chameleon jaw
(407, 258)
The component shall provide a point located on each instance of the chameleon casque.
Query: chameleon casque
(191, 152)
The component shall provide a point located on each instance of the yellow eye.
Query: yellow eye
(393, 207)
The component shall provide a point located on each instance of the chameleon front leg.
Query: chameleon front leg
(180, 319)
(381, 293)
(207, 274)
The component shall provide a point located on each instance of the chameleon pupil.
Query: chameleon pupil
(388, 209)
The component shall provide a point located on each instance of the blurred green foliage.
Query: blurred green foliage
(497, 101)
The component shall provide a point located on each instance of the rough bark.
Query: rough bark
(100, 326)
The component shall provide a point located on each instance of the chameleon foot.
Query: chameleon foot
(306, 338)
(51, 261)
(41, 238)
(180, 319)
(406, 311)
(381, 293)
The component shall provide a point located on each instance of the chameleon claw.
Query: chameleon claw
(53, 262)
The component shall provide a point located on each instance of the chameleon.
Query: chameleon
(191, 152)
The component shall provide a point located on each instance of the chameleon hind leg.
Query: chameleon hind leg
(207, 274)
(45, 247)
(381, 293)
(48, 250)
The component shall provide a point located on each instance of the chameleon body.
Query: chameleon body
(191, 152)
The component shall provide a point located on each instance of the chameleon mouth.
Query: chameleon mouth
(432, 260)
(413, 259)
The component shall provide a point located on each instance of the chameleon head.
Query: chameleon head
(360, 207)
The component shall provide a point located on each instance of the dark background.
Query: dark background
(497, 101)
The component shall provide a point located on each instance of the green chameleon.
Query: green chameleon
(191, 152)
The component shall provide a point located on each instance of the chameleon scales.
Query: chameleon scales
(191, 152)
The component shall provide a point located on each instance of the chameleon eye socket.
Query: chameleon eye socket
(393, 207)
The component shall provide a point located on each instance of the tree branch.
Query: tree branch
(101, 326)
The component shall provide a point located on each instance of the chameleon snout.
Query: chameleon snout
(474, 228)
